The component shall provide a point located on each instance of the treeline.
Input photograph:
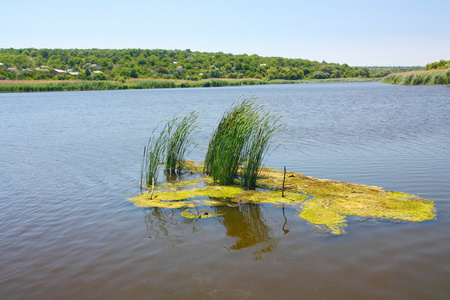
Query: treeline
(121, 64)
(442, 64)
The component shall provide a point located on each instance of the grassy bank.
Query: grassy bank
(431, 77)
(11, 86)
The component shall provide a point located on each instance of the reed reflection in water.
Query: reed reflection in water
(245, 225)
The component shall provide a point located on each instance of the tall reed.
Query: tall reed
(153, 156)
(240, 143)
(268, 126)
(170, 145)
(419, 78)
(180, 133)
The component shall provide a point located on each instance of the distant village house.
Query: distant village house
(89, 65)
(96, 72)
(58, 72)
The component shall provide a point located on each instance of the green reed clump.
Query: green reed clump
(240, 143)
(180, 133)
(226, 147)
(153, 156)
(429, 78)
(169, 146)
(268, 126)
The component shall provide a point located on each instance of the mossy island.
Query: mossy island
(232, 175)
(324, 203)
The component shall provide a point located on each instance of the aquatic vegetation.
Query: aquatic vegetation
(192, 214)
(239, 143)
(419, 77)
(333, 200)
(233, 175)
(180, 132)
(11, 86)
(170, 145)
(153, 156)
(323, 203)
(262, 133)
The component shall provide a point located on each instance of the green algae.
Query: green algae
(189, 214)
(323, 203)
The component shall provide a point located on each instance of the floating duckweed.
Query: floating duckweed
(179, 184)
(316, 212)
(271, 196)
(188, 214)
(324, 203)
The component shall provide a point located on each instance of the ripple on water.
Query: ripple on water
(67, 161)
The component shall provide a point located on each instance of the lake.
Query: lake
(69, 160)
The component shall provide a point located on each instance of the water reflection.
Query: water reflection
(168, 225)
(245, 224)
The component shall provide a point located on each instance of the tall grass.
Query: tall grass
(419, 78)
(239, 143)
(170, 145)
(180, 133)
(9, 86)
(153, 156)
(268, 126)
(228, 142)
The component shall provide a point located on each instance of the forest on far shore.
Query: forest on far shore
(121, 64)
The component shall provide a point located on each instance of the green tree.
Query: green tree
(133, 73)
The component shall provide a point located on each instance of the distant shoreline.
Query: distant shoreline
(24, 86)
(422, 77)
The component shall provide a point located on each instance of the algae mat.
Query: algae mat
(324, 203)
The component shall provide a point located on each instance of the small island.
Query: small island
(324, 203)
(232, 175)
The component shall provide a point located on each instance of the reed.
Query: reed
(239, 144)
(259, 143)
(432, 77)
(153, 156)
(227, 143)
(9, 86)
(170, 145)
(180, 132)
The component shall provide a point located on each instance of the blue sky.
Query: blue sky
(357, 32)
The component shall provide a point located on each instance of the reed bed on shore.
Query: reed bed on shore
(10, 86)
(21, 86)
(434, 77)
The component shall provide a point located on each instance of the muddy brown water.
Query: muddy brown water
(68, 160)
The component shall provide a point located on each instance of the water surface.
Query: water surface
(68, 160)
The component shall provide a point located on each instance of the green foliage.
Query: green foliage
(442, 64)
(153, 156)
(100, 76)
(180, 133)
(240, 143)
(428, 78)
(143, 63)
(170, 145)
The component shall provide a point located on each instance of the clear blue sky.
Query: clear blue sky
(357, 32)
